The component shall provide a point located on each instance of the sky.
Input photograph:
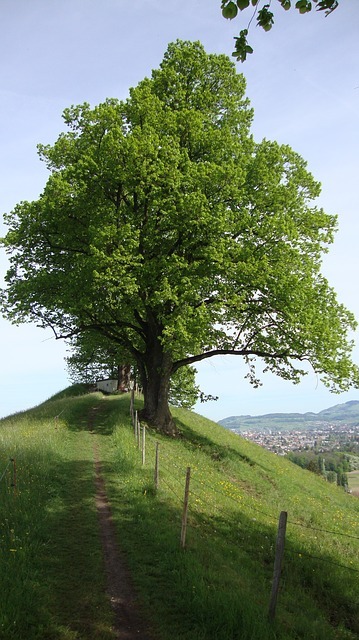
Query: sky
(303, 84)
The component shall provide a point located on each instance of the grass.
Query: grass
(218, 586)
(223, 579)
(52, 581)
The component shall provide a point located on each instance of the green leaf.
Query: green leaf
(242, 48)
(286, 4)
(327, 5)
(243, 4)
(230, 11)
(265, 18)
(303, 6)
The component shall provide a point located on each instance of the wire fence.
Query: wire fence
(210, 503)
(216, 490)
(5, 470)
(11, 462)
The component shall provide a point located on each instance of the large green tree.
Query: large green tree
(164, 227)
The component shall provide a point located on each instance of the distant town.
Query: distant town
(323, 438)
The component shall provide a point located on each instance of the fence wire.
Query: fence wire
(203, 502)
(5, 470)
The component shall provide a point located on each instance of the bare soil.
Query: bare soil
(129, 623)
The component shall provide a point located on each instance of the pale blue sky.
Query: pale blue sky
(303, 83)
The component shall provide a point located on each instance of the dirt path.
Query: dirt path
(129, 624)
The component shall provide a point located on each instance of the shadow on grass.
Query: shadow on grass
(213, 449)
(96, 413)
(222, 453)
(74, 562)
(53, 583)
(52, 579)
(219, 587)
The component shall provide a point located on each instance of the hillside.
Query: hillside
(338, 415)
(217, 587)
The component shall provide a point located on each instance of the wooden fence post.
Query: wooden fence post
(185, 509)
(143, 445)
(14, 477)
(135, 424)
(279, 551)
(157, 466)
(132, 405)
(138, 434)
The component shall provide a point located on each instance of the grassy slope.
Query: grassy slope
(52, 581)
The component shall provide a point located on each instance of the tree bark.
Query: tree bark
(156, 375)
(123, 377)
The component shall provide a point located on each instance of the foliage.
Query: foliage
(94, 357)
(332, 465)
(166, 229)
(183, 390)
(265, 17)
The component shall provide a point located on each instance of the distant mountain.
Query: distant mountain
(339, 414)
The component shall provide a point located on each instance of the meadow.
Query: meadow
(217, 587)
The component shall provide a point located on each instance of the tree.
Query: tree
(331, 476)
(313, 466)
(342, 479)
(184, 392)
(265, 17)
(321, 465)
(165, 228)
(94, 356)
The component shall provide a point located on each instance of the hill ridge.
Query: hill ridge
(220, 584)
(339, 414)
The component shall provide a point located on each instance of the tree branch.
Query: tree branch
(232, 352)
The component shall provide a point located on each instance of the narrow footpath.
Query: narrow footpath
(128, 623)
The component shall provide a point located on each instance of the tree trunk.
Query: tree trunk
(156, 382)
(123, 377)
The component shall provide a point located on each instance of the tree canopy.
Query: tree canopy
(261, 11)
(94, 357)
(167, 229)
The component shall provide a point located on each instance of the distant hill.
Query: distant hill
(340, 414)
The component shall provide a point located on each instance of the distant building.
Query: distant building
(107, 386)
